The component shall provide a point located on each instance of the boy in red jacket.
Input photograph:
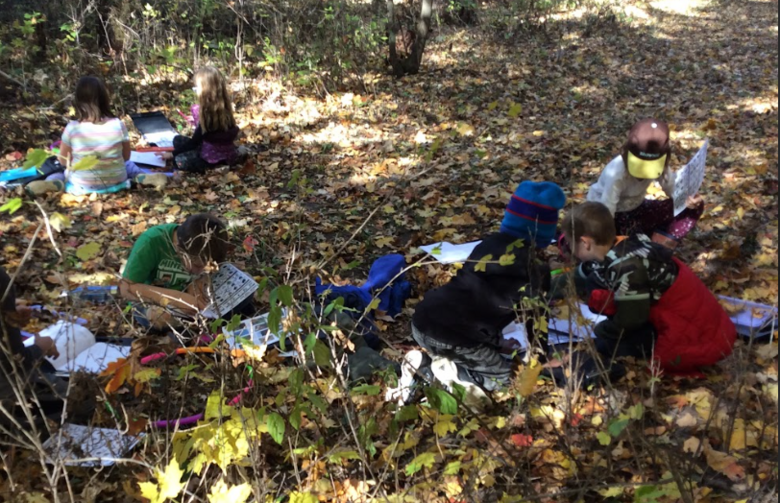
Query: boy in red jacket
(656, 306)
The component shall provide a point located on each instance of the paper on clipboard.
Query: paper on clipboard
(255, 330)
(751, 318)
(155, 128)
(76, 445)
(230, 286)
(160, 138)
(688, 180)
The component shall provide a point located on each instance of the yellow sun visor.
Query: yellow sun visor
(646, 168)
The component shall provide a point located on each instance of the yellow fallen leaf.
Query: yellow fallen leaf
(528, 378)
(59, 221)
(221, 493)
(168, 484)
(88, 251)
(385, 241)
(465, 129)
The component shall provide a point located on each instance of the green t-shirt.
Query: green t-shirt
(154, 260)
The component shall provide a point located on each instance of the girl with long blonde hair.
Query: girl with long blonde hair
(213, 142)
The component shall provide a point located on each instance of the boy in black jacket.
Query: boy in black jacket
(461, 324)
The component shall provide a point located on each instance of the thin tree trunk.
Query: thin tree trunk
(423, 27)
(411, 64)
(392, 33)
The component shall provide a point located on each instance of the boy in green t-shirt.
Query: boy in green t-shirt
(163, 264)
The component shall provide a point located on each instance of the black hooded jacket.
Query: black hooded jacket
(476, 305)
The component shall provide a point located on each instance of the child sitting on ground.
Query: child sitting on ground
(95, 132)
(25, 369)
(212, 143)
(461, 324)
(656, 306)
(624, 182)
(162, 267)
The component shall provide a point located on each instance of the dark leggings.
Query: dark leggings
(191, 160)
(658, 215)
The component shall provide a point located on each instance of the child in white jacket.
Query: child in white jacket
(623, 185)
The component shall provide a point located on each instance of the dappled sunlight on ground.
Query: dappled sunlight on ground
(685, 7)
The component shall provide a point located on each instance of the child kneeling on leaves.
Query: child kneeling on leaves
(24, 369)
(163, 267)
(461, 324)
(656, 306)
(623, 185)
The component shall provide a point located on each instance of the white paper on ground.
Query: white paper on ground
(448, 253)
(230, 286)
(148, 158)
(689, 179)
(96, 359)
(78, 350)
(580, 326)
(71, 340)
(73, 443)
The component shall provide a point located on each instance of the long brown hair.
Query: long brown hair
(216, 108)
(92, 102)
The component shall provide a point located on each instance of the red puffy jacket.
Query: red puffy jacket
(693, 329)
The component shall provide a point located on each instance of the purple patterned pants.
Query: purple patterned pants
(654, 216)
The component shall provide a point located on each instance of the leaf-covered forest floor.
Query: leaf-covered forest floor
(434, 157)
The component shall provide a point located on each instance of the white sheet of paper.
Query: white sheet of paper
(96, 359)
(689, 179)
(161, 138)
(73, 443)
(580, 328)
(71, 340)
(448, 253)
(560, 330)
(148, 158)
(78, 349)
(230, 287)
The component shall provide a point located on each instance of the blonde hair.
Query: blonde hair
(216, 108)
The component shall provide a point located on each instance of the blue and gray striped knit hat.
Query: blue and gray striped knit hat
(532, 213)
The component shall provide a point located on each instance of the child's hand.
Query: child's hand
(166, 156)
(47, 346)
(693, 202)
